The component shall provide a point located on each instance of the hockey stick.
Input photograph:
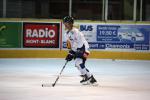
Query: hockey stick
(59, 74)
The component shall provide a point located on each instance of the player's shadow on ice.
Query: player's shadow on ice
(68, 85)
(61, 84)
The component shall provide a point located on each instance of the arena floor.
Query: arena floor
(21, 79)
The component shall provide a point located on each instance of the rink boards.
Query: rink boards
(32, 39)
(62, 54)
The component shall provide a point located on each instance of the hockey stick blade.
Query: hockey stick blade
(47, 85)
(56, 81)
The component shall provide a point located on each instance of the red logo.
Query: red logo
(41, 35)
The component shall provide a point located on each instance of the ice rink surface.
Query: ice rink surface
(21, 79)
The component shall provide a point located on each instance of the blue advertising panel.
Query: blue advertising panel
(123, 36)
(116, 36)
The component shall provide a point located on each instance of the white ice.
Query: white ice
(21, 79)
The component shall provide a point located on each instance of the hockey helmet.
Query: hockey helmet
(68, 19)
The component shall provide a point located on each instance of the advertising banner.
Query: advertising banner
(41, 35)
(116, 36)
(10, 34)
(123, 36)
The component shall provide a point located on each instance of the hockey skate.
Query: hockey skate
(88, 81)
(93, 81)
(85, 79)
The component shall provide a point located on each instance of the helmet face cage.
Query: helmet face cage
(68, 19)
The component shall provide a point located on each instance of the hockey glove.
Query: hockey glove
(70, 56)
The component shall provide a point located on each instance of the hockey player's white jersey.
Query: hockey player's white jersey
(76, 39)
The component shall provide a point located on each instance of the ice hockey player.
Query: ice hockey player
(78, 50)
